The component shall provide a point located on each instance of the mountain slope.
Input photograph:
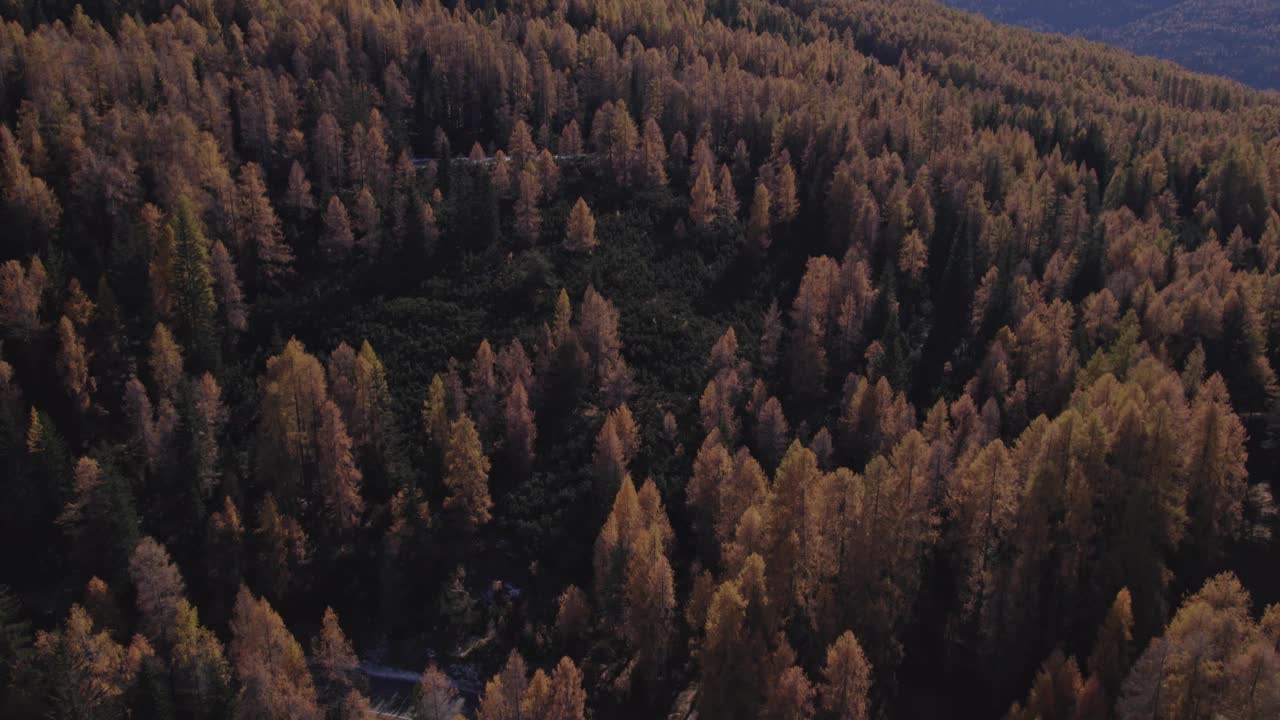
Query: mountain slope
(1232, 38)
(1069, 16)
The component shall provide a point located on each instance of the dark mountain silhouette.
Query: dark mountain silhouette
(1233, 38)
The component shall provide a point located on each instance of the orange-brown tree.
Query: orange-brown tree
(467, 475)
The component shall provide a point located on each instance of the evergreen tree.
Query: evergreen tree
(15, 639)
(201, 674)
(528, 216)
(191, 281)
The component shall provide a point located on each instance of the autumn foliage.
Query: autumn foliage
(820, 359)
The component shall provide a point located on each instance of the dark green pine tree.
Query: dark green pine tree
(444, 162)
(956, 298)
(12, 456)
(60, 687)
(488, 213)
(1243, 352)
(45, 489)
(121, 524)
(152, 698)
(104, 538)
(189, 511)
(1090, 272)
(15, 642)
(192, 285)
(895, 363)
(1118, 190)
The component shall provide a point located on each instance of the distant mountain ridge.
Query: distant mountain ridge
(1239, 39)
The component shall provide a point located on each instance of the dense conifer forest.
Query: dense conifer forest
(833, 359)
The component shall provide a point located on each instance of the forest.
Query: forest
(1233, 38)
(728, 359)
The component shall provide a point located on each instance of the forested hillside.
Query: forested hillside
(832, 359)
(1233, 38)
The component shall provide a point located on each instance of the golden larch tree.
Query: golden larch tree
(653, 512)
(580, 234)
(258, 231)
(772, 432)
(270, 664)
(165, 362)
(482, 388)
(293, 393)
(789, 696)
(785, 511)
(785, 205)
(609, 459)
(570, 142)
(336, 238)
(521, 431)
(1113, 648)
(73, 365)
(726, 664)
(207, 423)
(158, 588)
(227, 289)
(744, 487)
(368, 223)
(620, 530)
(467, 474)
(846, 680)
(520, 145)
(913, 257)
(982, 501)
(371, 402)
(652, 156)
(1216, 458)
(702, 199)
(649, 608)
(567, 698)
(339, 477)
(726, 196)
(435, 413)
(548, 174)
(711, 467)
(337, 669)
(573, 615)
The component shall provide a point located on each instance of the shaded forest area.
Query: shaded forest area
(1232, 38)
(820, 359)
